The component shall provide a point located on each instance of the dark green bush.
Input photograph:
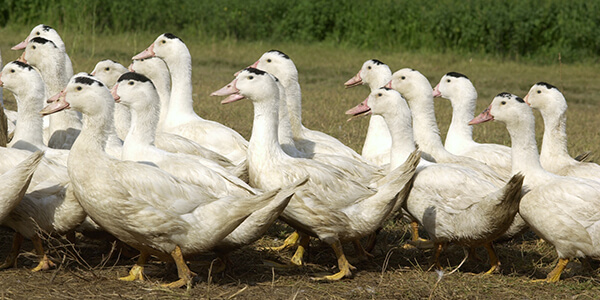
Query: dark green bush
(528, 28)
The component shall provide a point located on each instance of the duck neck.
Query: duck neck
(403, 143)
(460, 132)
(293, 99)
(143, 125)
(29, 125)
(181, 103)
(554, 144)
(94, 134)
(524, 151)
(264, 143)
(285, 134)
(425, 129)
(163, 88)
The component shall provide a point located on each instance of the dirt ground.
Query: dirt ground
(89, 270)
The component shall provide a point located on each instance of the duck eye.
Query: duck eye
(33, 47)
(448, 80)
(37, 33)
(369, 67)
(131, 83)
(539, 92)
(403, 77)
(12, 70)
(380, 94)
(163, 41)
(107, 69)
(269, 60)
(250, 77)
(79, 88)
(503, 102)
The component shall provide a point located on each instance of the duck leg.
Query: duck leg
(343, 264)
(185, 275)
(417, 241)
(436, 256)
(290, 241)
(11, 259)
(45, 262)
(298, 258)
(137, 271)
(554, 276)
(494, 261)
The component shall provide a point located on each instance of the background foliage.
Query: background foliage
(530, 29)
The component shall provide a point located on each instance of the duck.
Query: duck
(564, 211)
(156, 69)
(378, 142)
(181, 118)
(554, 156)
(417, 91)
(457, 88)
(452, 202)
(11, 115)
(331, 206)
(15, 183)
(157, 213)
(306, 140)
(49, 33)
(109, 71)
(28, 134)
(49, 60)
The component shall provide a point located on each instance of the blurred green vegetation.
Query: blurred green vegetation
(536, 30)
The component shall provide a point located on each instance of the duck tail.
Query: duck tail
(16, 182)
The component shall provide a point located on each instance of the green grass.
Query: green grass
(323, 69)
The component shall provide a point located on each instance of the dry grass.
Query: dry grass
(88, 271)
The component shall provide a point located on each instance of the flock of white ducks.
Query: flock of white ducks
(125, 151)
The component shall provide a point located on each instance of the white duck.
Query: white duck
(51, 34)
(156, 69)
(28, 88)
(378, 141)
(155, 213)
(181, 118)
(565, 211)
(308, 141)
(554, 155)
(452, 202)
(49, 60)
(460, 91)
(15, 183)
(108, 71)
(138, 93)
(11, 115)
(331, 206)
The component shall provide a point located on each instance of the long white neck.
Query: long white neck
(143, 126)
(285, 134)
(403, 143)
(525, 157)
(181, 106)
(293, 98)
(264, 143)
(94, 134)
(163, 88)
(554, 145)
(425, 129)
(28, 130)
(460, 132)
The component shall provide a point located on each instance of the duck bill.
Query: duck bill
(114, 94)
(389, 85)
(360, 110)
(485, 116)
(436, 91)
(20, 46)
(22, 58)
(232, 98)
(149, 52)
(354, 81)
(526, 99)
(226, 90)
(56, 104)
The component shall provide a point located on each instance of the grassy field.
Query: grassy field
(394, 272)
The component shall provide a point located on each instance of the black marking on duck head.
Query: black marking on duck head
(134, 76)
(46, 28)
(280, 53)
(385, 88)
(23, 65)
(456, 74)
(255, 71)
(377, 62)
(87, 80)
(519, 99)
(504, 95)
(41, 40)
(172, 36)
(547, 85)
